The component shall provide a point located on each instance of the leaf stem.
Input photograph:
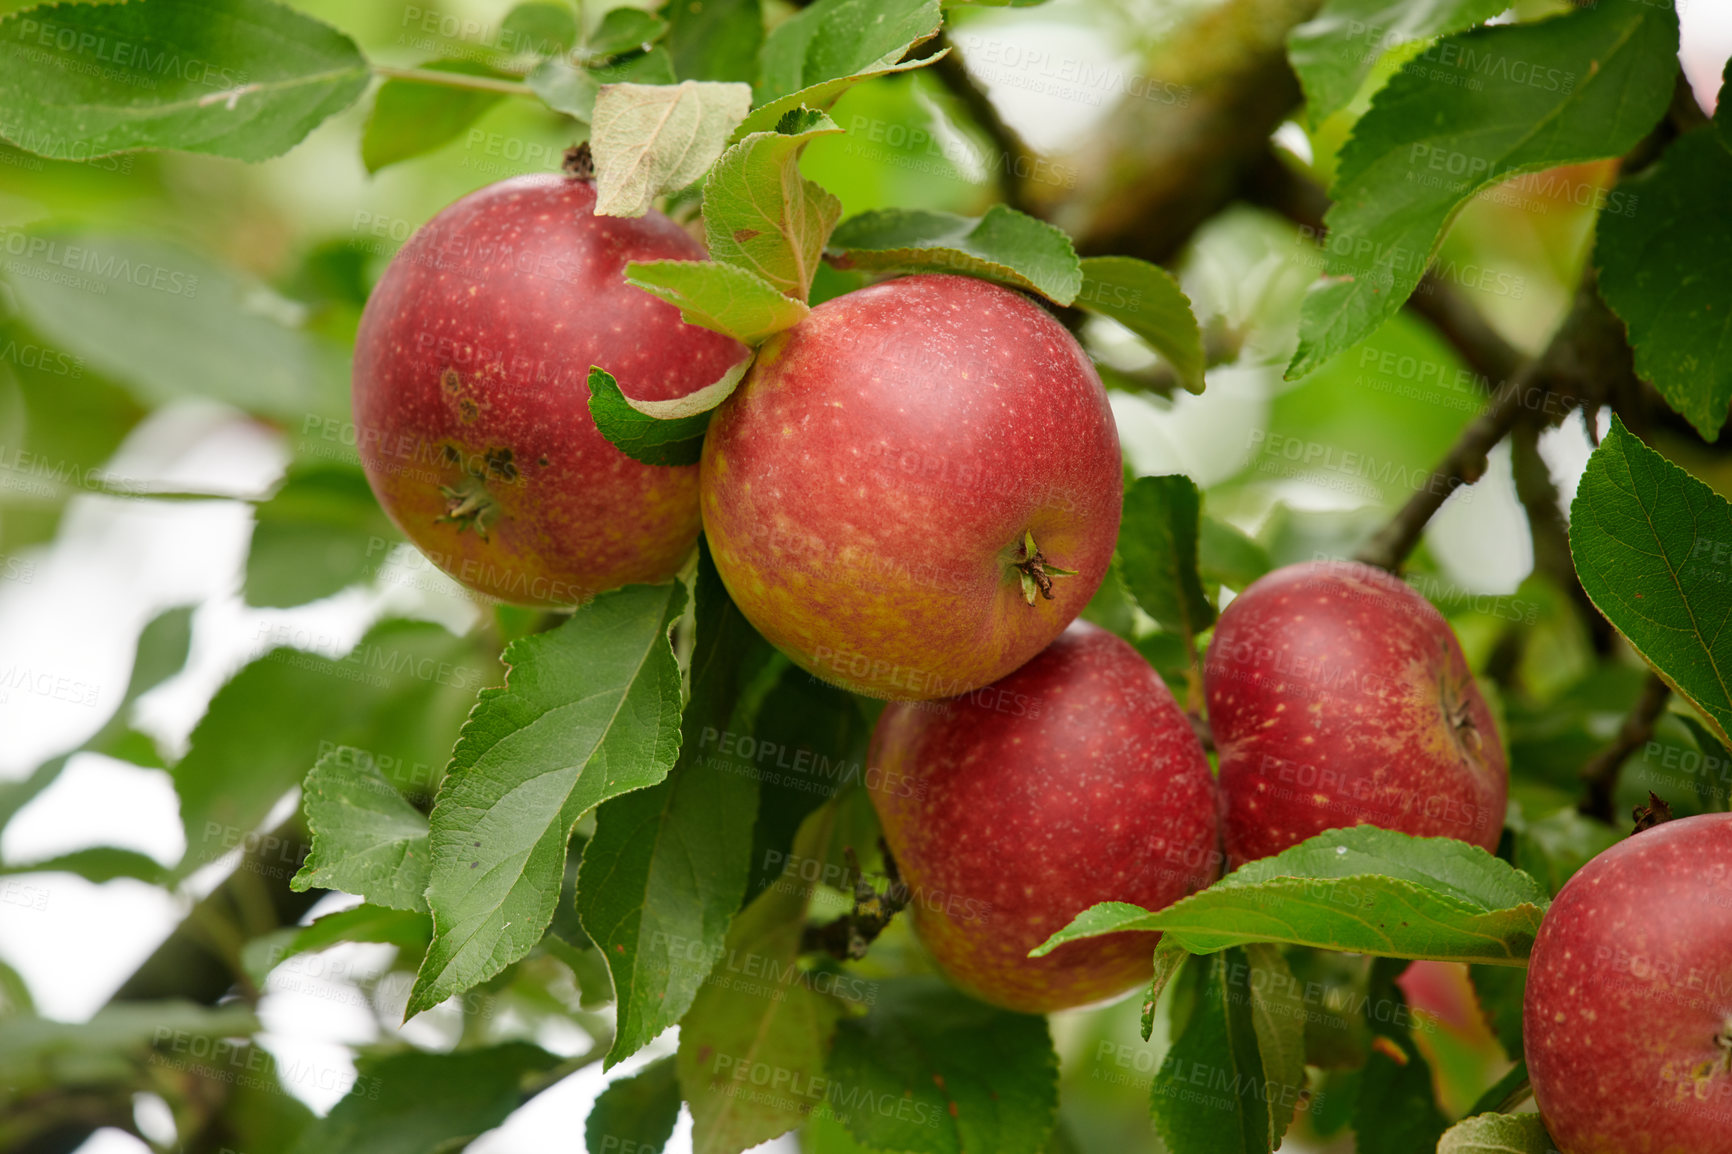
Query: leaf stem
(1193, 676)
(454, 80)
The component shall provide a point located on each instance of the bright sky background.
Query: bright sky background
(116, 564)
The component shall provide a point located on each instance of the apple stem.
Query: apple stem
(1200, 726)
(1036, 571)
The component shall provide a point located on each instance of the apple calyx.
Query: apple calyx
(578, 163)
(1646, 817)
(1036, 571)
(1458, 712)
(468, 505)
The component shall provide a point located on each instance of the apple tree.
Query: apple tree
(983, 576)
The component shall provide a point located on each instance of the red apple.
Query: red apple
(870, 490)
(1339, 696)
(1075, 780)
(1627, 1021)
(471, 393)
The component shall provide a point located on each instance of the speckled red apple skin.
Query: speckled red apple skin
(1339, 696)
(479, 338)
(1627, 1021)
(867, 490)
(1075, 780)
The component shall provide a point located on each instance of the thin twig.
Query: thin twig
(849, 936)
(1586, 362)
(1463, 465)
(1600, 775)
(1549, 532)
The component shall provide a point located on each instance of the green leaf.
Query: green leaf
(666, 868)
(169, 324)
(658, 432)
(15, 795)
(1553, 848)
(1208, 1097)
(38, 1054)
(624, 30)
(1146, 299)
(931, 1069)
(822, 95)
(539, 27)
(589, 711)
(1336, 1035)
(319, 533)
(161, 652)
(720, 297)
(1335, 51)
(1713, 790)
(1363, 890)
(1228, 557)
(399, 694)
(808, 742)
(410, 117)
(256, 1114)
(95, 864)
(366, 839)
(564, 87)
(1158, 553)
(1278, 1015)
(715, 39)
(1396, 1110)
(1653, 548)
(163, 645)
(1433, 139)
(240, 78)
(1170, 958)
(1004, 245)
(407, 930)
(1657, 261)
(635, 1115)
(1497, 1134)
(412, 1101)
(650, 139)
(654, 67)
(761, 214)
(78, 426)
(1500, 991)
(1506, 1093)
(832, 39)
(761, 1015)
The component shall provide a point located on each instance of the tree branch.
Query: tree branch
(189, 964)
(1016, 161)
(1549, 532)
(1586, 362)
(1463, 465)
(1600, 775)
(1179, 148)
